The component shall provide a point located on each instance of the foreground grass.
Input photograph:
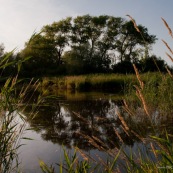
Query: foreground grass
(12, 122)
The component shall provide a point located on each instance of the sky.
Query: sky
(19, 19)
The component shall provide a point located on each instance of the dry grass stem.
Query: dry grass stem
(98, 140)
(167, 26)
(153, 149)
(122, 121)
(169, 72)
(127, 109)
(138, 76)
(85, 156)
(91, 141)
(14, 81)
(113, 152)
(139, 137)
(100, 119)
(170, 57)
(101, 161)
(134, 23)
(157, 66)
(166, 44)
(81, 118)
(119, 137)
(137, 94)
(26, 89)
(140, 95)
(125, 131)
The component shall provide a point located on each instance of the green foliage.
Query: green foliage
(166, 151)
(45, 168)
(40, 50)
(147, 64)
(70, 164)
(132, 44)
(153, 64)
(85, 44)
(58, 35)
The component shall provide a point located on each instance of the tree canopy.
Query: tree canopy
(86, 44)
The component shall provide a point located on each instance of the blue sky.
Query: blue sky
(20, 18)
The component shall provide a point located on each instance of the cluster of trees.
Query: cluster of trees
(88, 44)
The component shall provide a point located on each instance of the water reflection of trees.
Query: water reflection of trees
(85, 123)
(79, 123)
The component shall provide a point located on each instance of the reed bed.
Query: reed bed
(12, 122)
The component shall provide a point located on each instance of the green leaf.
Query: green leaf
(45, 168)
(114, 161)
(66, 158)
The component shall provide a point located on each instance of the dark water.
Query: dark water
(69, 120)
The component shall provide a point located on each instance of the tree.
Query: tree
(58, 36)
(42, 61)
(86, 43)
(46, 49)
(78, 61)
(94, 35)
(74, 60)
(131, 43)
(153, 63)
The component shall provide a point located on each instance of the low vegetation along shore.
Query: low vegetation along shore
(116, 83)
(102, 82)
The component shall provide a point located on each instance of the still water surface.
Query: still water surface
(67, 120)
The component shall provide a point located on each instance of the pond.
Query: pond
(73, 119)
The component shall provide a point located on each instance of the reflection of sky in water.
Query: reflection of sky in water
(50, 153)
(37, 149)
(66, 114)
(112, 111)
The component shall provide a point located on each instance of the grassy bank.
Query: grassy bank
(109, 82)
(93, 82)
(116, 83)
